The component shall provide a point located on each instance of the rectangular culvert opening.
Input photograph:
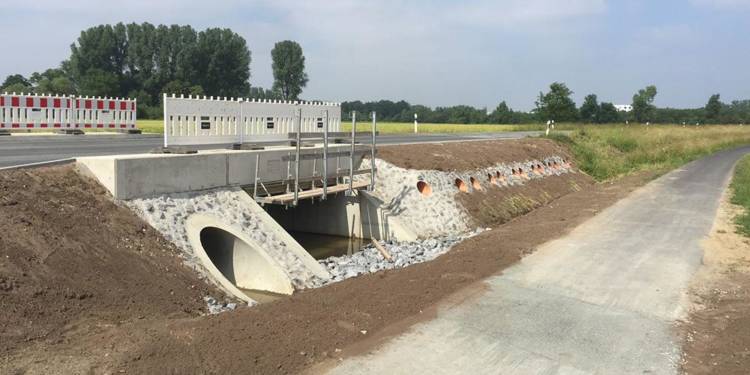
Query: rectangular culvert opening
(325, 228)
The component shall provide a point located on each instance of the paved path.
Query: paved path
(25, 149)
(601, 300)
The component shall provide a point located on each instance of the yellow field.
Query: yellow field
(401, 128)
(157, 126)
(606, 152)
(151, 126)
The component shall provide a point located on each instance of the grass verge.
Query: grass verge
(151, 126)
(741, 194)
(404, 128)
(607, 152)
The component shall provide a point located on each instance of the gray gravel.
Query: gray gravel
(404, 254)
(216, 307)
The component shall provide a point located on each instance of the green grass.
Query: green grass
(607, 152)
(741, 194)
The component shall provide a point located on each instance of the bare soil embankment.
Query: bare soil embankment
(137, 323)
(492, 205)
(71, 261)
(463, 156)
(717, 333)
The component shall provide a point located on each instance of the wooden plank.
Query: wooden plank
(319, 156)
(382, 251)
(319, 135)
(317, 192)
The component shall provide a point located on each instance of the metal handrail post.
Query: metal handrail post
(166, 129)
(325, 154)
(255, 184)
(298, 119)
(241, 123)
(351, 155)
(372, 151)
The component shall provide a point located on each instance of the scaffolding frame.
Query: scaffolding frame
(293, 191)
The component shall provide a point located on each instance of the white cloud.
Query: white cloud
(722, 4)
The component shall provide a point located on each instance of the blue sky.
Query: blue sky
(441, 52)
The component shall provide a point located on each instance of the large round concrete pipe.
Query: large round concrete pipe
(234, 260)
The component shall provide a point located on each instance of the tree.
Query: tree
(590, 109)
(16, 83)
(643, 107)
(97, 60)
(178, 87)
(608, 114)
(502, 114)
(556, 104)
(288, 69)
(261, 93)
(52, 81)
(225, 70)
(713, 108)
(144, 61)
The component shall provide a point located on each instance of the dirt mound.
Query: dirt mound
(464, 156)
(497, 205)
(71, 260)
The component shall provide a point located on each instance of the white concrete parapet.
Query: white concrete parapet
(208, 120)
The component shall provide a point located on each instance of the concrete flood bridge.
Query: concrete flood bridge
(231, 210)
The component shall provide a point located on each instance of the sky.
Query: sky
(440, 53)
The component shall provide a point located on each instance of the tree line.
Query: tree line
(143, 61)
(557, 105)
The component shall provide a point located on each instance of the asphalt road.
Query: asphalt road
(25, 149)
(602, 300)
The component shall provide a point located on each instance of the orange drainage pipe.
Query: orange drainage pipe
(424, 188)
(461, 185)
(475, 184)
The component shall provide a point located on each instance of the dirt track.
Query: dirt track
(116, 317)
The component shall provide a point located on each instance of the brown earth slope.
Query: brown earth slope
(71, 260)
(464, 156)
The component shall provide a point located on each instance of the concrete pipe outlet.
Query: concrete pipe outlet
(234, 260)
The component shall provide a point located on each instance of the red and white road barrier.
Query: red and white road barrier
(32, 111)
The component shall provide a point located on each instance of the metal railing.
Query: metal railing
(293, 191)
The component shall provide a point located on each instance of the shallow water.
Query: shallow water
(322, 246)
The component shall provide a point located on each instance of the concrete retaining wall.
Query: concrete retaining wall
(144, 175)
(356, 216)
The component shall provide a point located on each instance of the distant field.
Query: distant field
(151, 126)
(402, 128)
(157, 126)
(607, 152)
